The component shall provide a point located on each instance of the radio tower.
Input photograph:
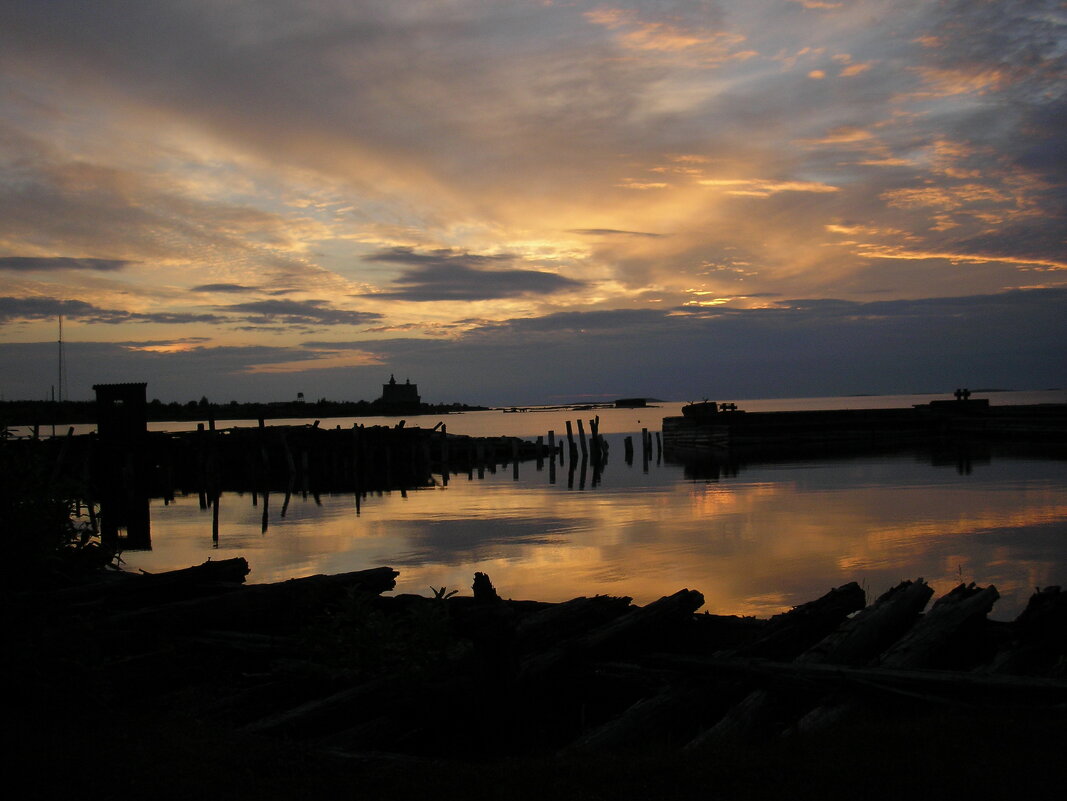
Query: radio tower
(60, 396)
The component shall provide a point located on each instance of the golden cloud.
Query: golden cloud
(323, 360)
(759, 187)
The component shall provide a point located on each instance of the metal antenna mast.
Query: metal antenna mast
(60, 358)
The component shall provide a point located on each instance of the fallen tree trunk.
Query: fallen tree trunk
(788, 634)
(955, 614)
(633, 630)
(1039, 642)
(929, 643)
(259, 607)
(122, 589)
(946, 686)
(858, 640)
(654, 717)
(569, 619)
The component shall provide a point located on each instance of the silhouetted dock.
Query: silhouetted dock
(277, 457)
(723, 426)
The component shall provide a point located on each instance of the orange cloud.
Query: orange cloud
(759, 187)
(893, 252)
(853, 69)
(327, 361)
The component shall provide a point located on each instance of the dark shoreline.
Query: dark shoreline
(46, 413)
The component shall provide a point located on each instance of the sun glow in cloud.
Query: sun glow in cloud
(757, 187)
(319, 360)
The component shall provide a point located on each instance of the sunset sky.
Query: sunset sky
(522, 201)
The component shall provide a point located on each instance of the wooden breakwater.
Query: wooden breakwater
(303, 458)
(331, 662)
(724, 426)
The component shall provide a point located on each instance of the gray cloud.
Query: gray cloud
(223, 288)
(47, 263)
(451, 275)
(281, 312)
(612, 232)
(299, 312)
(47, 308)
(1013, 339)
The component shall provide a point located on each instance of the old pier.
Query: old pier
(709, 425)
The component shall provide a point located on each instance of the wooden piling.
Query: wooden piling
(572, 448)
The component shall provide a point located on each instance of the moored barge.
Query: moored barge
(709, 425)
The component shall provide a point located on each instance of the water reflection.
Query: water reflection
(754, 536)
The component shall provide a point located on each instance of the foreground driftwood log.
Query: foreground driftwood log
(854, 642)
(333, 662)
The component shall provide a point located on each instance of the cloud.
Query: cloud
(759, 187)
(612, 232)
(298, 312)
(523, 155)
(48, 263)
(49, 308)
(446, 275)
(237, 288)
(797, 347)
(284, 312)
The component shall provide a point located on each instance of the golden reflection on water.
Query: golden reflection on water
(755, 543)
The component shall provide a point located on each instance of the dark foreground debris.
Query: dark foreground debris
(333, 666)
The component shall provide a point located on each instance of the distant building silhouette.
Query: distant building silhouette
(121, 464)
(400, 396)
(121, 411)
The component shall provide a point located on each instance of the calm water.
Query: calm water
(755, 540)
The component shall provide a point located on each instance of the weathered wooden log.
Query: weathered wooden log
(788, 634)
(855, 642)
(862, 637)
(335, 712)
(925, 645)
(654, 717)
(261, 607)
(944, 686)
(928, 644)
(234, 569)
(121, 589)
(570, 619)
(637, 629)
(715, 633)
(1038, 643)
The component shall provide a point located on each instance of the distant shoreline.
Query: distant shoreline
(29, 413)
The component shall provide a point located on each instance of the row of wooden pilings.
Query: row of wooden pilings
(646, 448)
(122, 475)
